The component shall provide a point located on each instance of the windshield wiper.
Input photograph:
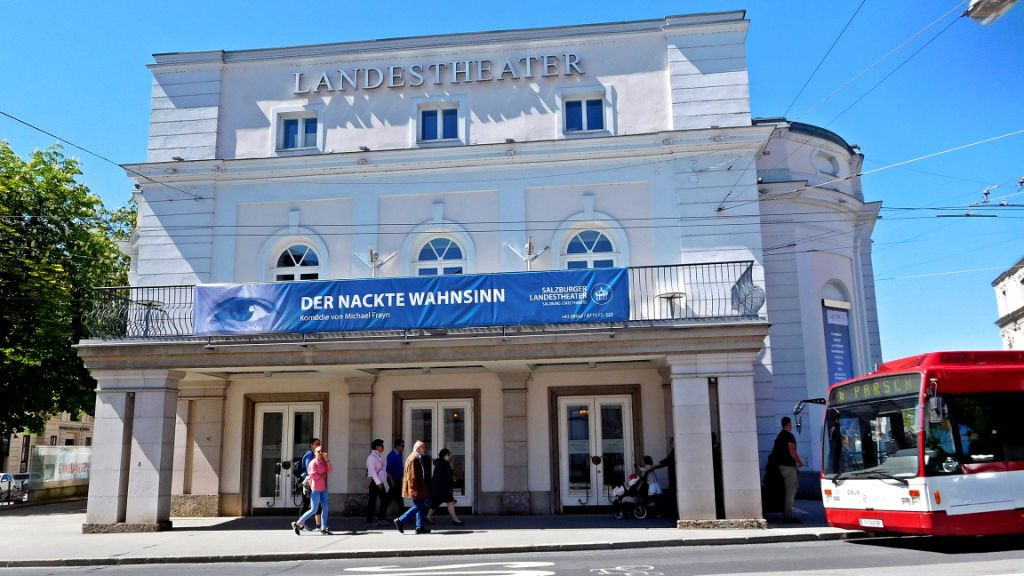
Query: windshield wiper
(868, 473)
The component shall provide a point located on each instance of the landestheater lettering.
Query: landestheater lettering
(437, 73)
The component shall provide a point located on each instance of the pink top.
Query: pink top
(317, 472)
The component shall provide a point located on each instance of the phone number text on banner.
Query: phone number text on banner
(569, 296)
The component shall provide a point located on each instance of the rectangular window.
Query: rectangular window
(584, 115)
(53, 440)
(439, 124)
(298, 133)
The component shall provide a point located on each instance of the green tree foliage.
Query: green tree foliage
(56, 245)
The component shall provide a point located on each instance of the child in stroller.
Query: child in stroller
(638, 495)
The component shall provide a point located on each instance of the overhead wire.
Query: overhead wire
(823, 58)
(871, 66)
(891, 72)
(881, 169)
(94, 154)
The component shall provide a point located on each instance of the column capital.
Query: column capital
(131, 380)
(665, 372)
(514, 380)
(360, 384)
(711, 364)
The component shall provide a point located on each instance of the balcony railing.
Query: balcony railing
(658, 295)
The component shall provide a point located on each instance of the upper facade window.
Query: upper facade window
(584, 114)
(826, 163)
(298, 262)
(440, 256)
(297, 132)
(439, 124)
(589, 249)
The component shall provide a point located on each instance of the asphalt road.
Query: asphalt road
(879, 556)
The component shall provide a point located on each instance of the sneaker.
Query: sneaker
(398, 524)
(295, 526)
(326, 532)
(423, 530)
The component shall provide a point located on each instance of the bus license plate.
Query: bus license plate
(871, 523)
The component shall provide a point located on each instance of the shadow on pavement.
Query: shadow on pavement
(947, 544)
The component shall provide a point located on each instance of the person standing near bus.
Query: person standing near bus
(788, 461)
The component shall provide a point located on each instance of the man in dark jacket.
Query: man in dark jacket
(787, 460)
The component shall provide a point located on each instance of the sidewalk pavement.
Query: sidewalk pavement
(51, 535)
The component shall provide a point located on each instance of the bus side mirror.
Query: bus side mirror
(936, 408)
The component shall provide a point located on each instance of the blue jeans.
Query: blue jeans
(419, 508)
(317, 499)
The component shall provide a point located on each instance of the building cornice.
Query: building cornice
(1013, 269)
(374, 354)
(712, 22)
(1011, 318)
(666, 145)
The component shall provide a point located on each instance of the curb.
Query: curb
(405, 553)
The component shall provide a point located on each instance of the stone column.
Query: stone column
(694, 461)
(741, 475)
(360, 429)
(108, 465)
(198, 445)
(133, 451)
(515, 497)
(691, 418)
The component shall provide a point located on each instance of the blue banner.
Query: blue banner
(561, 297)
(837, 344)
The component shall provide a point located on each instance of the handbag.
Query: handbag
(305, 486)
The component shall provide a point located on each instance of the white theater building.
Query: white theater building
(747, 245)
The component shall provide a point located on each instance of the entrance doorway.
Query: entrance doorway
(595, 441)
(445, 424)
(281, 435)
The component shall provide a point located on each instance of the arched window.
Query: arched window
(589, 249)
(440, 256)
(298, 262)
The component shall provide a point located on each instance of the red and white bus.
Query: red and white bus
(931, 444)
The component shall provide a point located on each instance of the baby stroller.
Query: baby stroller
(631, 497)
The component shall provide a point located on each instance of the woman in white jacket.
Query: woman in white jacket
(378, 478)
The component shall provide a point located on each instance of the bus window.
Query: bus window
(1012, 433)
(873, 436)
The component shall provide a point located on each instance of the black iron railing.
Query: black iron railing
(680, 292)
(141, 312)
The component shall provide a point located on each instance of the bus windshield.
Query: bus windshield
(871, 429)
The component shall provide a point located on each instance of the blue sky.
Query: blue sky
(78, 70)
